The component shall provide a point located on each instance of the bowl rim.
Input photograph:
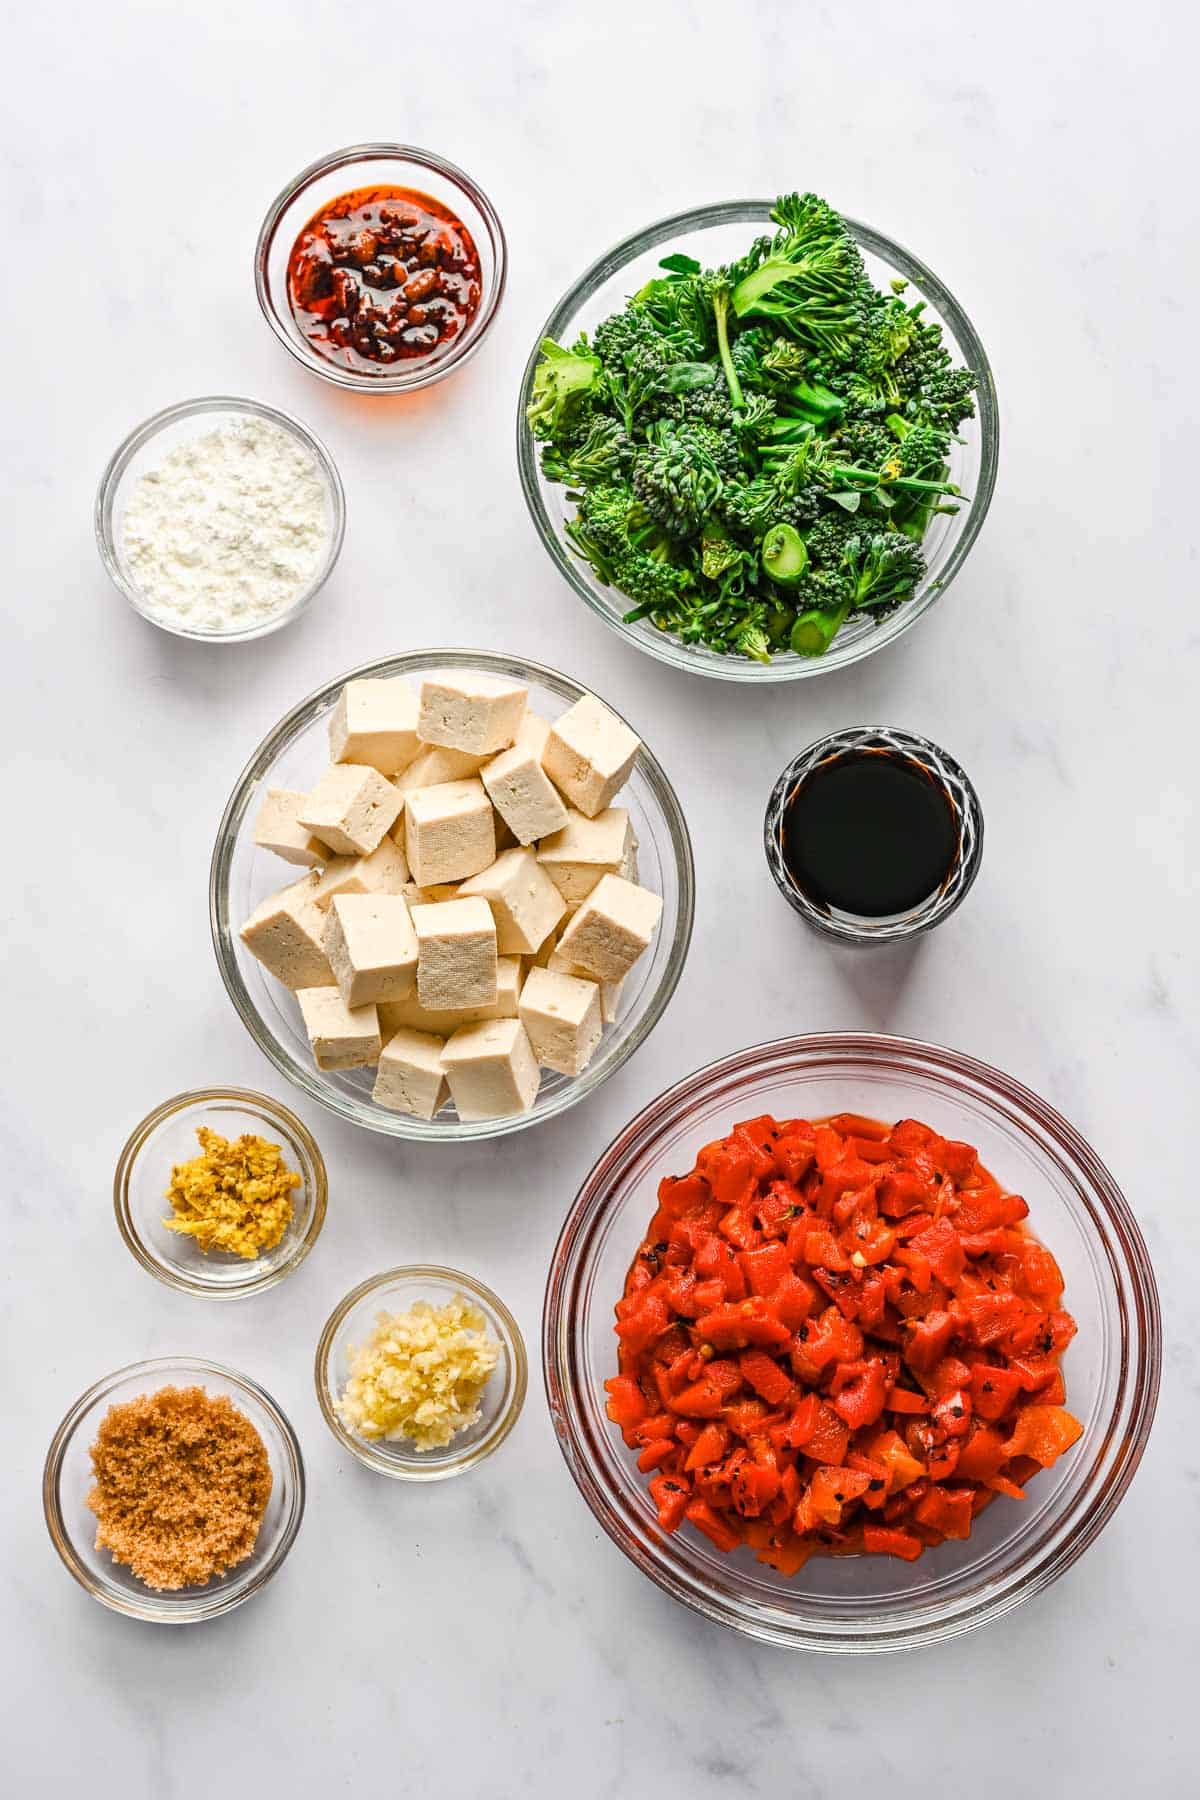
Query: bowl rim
(272, 1112)
(781, 668)
(155, 1609)
(308, 1079)
(511, 1338)
(181, 410)
(465, 347)
(1143, 1371)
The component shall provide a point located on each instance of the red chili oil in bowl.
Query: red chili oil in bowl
(382, 276)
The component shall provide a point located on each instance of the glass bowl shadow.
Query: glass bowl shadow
(167, 1136)
(715, 235)
(1111, 1369)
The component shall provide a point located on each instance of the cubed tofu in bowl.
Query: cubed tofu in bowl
(456, 846)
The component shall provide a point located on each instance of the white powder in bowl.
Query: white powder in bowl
(229, 529)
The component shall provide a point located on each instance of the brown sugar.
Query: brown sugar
(182, 1480)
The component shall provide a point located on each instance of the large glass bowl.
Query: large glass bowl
(68, 1476)
(292, 756)
(1111, 1369)
(715, 235)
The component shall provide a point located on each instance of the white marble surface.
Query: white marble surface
(485, 1639)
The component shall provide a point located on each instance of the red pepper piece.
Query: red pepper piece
(766, 1267)
(765, 1376)
(859, 1391)
(880, 1540)
(928, 1340)
(1043, 1432)
(700, 1514)
(626, 1405)
(993, 1390)
(709, 1447)
(656, 1454)
(946, 1510)
(670, 1496)
(942, 1249)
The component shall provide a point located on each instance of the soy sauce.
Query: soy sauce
(869, 833)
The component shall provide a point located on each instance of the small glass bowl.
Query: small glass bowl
(715, 235)
(378, 165)
(168, 1136)
(1111, 1369)
(395, 1291)
(242, 875)
(145, 448)
(884, 740)
(67, 1480)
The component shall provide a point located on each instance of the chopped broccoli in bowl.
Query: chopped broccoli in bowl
(781, 399)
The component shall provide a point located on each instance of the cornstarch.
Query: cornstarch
(229, 529)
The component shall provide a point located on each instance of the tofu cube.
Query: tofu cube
(523, 794)
(435, 765)
(526, 904)
(589, 754)
(476, 713)
(449, 832)
(611, 929)
(342, 1037)
(352, 809)
(286, 934)
(372, 947)
(383, 872)
(409, 1015)
(533, 733)
(585, 849)
(375, 722)
(278, 829)
(410, 1078)
(561, 1015)
(456, 953)
(491, 1069)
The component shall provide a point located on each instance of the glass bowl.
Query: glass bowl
(145, 448)
(867, 1603)
(67, 1479)
(292, 756)
(395, 1291)
(884, 740)
(168, 1136)
(372, 165)
(719, 234)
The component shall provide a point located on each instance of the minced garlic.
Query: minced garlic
(235, 1196)
(420, 1374)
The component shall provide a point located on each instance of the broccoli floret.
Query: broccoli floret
(806, 278)
(604, 454)
(862, 441)
(677, 477)
(828, 537)
(627, 550)
(749, 508)
(563, 382)
(885, 568)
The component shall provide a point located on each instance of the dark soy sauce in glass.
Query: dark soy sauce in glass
(870, 833)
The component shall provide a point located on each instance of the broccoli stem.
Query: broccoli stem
(814, 631)
(721, 315)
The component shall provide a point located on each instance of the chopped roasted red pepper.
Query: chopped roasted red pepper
(793, 1294)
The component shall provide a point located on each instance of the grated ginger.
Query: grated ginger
(420, 1374)
(235, 1196)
